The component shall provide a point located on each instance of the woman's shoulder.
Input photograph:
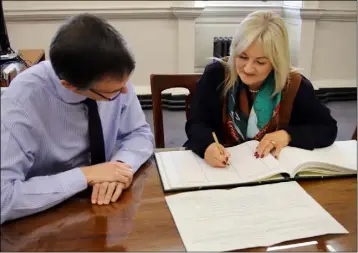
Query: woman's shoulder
(305, 92)
(303, 84)
(214, 74)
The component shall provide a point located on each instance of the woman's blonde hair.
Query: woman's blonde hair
(269, 30)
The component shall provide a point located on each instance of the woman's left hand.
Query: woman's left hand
(272, 141)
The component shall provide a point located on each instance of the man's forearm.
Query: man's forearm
(22, 198)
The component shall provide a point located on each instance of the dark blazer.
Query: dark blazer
(311, 124)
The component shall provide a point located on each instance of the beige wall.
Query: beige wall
(177, 36)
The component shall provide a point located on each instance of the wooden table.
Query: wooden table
(141, 221)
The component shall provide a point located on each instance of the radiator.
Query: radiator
(222, 46)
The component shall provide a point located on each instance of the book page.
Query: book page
(245, 217)
(183, 169)
(340, 155)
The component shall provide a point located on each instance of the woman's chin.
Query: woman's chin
(248, 82)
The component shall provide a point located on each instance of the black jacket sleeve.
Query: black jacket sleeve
(311, 124)
(206, 110)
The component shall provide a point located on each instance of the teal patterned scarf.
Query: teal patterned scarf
(246, 125)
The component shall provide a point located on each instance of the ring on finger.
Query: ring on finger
(273, 143)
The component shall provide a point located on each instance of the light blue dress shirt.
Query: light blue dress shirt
(44, 140)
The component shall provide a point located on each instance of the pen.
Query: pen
(218, 146)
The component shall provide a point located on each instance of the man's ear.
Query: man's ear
(67, 85)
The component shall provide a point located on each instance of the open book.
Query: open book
(185, 170)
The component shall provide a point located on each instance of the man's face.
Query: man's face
(106, 89)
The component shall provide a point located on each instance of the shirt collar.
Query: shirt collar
(65, 94)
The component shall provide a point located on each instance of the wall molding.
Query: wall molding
(187, 12)
(231, 15)
(320, 14)
(207, 15)
(107, 13)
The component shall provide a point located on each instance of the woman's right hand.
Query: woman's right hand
(214, 157)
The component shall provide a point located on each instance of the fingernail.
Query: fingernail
(93, 201)
(262, 156)
(256, 154)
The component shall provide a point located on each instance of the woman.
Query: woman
(256, 94)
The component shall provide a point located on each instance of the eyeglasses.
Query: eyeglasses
(107, 98)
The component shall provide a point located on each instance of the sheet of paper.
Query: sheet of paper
(340, 153)
(180, 169)
(245, 217)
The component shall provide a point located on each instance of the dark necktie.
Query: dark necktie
(95, 133)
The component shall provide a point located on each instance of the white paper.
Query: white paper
(245, 217)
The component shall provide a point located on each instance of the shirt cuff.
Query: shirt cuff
(73, 180)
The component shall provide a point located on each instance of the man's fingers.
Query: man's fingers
(118, 177)
(117, 192)
(102, 192)
(125, 172)
(123, 166)
(109, 193)
(95, 191)
(129, 183)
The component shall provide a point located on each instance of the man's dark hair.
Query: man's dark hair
(86, 49)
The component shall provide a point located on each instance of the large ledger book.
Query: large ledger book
(247, 217)
(180, 170)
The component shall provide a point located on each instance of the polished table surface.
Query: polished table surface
(141, 221)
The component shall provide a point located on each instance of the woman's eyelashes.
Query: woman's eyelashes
(243, 57)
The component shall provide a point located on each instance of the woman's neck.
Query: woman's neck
(254, 87)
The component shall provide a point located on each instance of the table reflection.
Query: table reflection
(72, 224)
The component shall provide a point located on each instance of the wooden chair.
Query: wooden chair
(161, 82)
(354, 136)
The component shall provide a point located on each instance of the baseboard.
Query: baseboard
(177, 102)
(169, 101)
(336, 94)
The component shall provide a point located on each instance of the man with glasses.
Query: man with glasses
(72, 122)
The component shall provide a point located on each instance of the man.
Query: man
(61, 120)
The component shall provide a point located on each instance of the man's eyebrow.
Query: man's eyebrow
(110, 91)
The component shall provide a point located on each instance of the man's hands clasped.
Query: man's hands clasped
(108, 180)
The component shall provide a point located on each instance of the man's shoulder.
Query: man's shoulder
(28, 93)
(28, 83)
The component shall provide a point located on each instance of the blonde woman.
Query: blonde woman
(256, 94)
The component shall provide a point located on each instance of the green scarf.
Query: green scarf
(248, 124)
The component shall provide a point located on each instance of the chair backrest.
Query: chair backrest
(354, 136)
(161, 82)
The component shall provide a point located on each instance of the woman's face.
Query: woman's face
(252, 66)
